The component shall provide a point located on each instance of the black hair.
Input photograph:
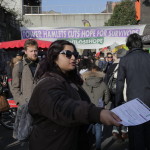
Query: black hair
(85, 63)
(134, 41)
(94, 67)
(48, 64)
(101, 54)
(109, 53)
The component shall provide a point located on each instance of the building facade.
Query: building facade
(110, 7)
(145, 9)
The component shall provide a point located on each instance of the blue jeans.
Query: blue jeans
(97, 130)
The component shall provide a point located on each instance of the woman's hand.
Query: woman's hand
(109, 118)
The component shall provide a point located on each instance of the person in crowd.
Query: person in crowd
(41, 55)
(9, 68)
(84, 64)
(109, 59)
(97, 59)
(60, 108)
(105, 63)
(119, 132)
(10, 65)
(87, 53)
(101, 61)
(99, 94)
(78, 62)
(23, 73)
(119, 54)
(19, 55)
(92, 69)
(134, 68)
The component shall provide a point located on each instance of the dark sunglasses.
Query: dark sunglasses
(109, 57)
(69, 54)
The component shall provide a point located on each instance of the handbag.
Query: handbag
(113, 80)
(4, 105)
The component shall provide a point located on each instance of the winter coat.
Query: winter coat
(88, 73)
(95, 87)
(110, 71)
(22, 82)
(135, 68)
(64, 114)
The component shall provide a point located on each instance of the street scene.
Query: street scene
(74, 75)
(8, 143)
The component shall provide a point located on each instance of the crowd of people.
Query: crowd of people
(70, 96)
(97, 77)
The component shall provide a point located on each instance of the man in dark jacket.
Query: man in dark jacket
(135, 67)
(106, 63)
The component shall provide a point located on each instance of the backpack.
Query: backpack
(112, 81)
(23, 125)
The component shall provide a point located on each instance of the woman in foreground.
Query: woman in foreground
(61, 109)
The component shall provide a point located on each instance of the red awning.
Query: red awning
(20, 44)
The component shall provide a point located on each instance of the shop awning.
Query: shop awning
(20, 44)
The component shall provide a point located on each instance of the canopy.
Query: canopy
(20, 44)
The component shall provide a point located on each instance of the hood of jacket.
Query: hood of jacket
(93, 79)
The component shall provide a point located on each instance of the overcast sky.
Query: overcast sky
(75, 6)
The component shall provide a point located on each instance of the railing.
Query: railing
(31, 9)
(62, 9)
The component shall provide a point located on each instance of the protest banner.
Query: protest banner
(84, 37)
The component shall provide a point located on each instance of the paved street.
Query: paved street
(7, 142)
(109, 143)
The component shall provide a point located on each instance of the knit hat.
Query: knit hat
(121, 53)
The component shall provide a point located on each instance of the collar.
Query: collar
(28, 61)
(135, 49)
(53, 74)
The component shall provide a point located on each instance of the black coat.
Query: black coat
(110, 72)
(135, 67)
(59, 114)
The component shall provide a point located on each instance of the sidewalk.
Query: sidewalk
(111, 143)
(114, 144)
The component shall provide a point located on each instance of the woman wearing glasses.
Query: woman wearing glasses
(59, 106)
